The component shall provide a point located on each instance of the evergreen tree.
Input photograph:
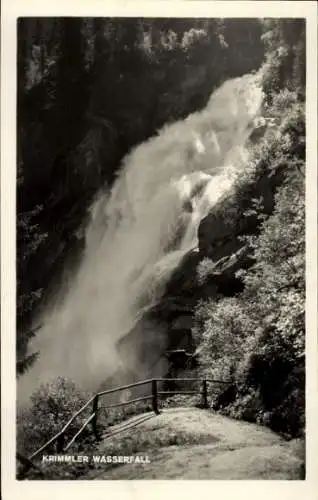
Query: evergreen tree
(29, 239)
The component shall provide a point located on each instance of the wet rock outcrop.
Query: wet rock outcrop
(167, 326)
(219, 241)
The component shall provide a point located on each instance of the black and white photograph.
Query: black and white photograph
(160, 248)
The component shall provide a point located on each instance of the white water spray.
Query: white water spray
(165, 187)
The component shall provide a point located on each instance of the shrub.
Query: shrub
(258, 337)
(52, 405)
(222, 330)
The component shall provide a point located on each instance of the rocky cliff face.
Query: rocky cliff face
(221, 247)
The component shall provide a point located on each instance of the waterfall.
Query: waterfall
(138, 234)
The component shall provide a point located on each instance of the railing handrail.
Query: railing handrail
(111, 391)
(193, 380)
(124, 387)
(148, 381)
(62, 431)
(87, 421)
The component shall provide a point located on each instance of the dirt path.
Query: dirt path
(212, 447)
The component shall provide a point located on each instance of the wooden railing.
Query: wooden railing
(59, 438)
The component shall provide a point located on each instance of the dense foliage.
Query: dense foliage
(51, 406)
(256, 339)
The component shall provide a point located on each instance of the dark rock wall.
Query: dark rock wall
(219, 241)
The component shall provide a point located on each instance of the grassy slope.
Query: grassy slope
(188, 443)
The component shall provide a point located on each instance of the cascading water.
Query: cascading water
(138, 235)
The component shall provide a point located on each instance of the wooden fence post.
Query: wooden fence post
(155, 397)
(94, 420)
(205, 394)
